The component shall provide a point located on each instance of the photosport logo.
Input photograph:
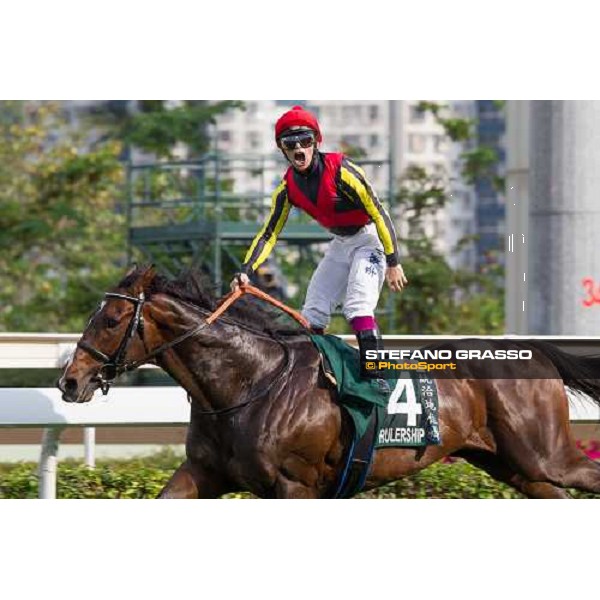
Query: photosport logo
(473, 359)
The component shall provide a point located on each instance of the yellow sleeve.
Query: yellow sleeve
(265, 240)
(355, 185)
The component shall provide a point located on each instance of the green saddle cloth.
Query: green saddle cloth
(358, 396)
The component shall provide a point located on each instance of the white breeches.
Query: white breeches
(350, 274)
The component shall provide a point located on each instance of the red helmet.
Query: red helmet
(297, 117)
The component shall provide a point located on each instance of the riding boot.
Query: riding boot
(369, 339)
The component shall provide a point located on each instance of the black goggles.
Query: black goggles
(305, 138)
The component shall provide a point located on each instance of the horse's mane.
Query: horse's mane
(195, 287)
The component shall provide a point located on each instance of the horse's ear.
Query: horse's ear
(131, 270)
(147, 276)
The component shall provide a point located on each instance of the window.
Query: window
(439, 169)
(226, 117)
(350, 113)
(439, 143)
(416, 143)
(373, 112)
(225, 136)
(253, 140)
(488, 139)
(373, 141)
(351, 140)
(457, 196)
(416, 116)
(252, 109)
(335, 115)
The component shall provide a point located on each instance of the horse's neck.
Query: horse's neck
(219, 365)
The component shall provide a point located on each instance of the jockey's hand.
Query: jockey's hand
(239, 278)
(395, 278)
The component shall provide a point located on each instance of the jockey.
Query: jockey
(336, 193)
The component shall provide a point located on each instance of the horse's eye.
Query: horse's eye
(110, 322)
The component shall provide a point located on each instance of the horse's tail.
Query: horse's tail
(580, 373)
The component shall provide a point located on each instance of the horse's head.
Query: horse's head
(112, 339)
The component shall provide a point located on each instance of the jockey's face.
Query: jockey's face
(299, 146)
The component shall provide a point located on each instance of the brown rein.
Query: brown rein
(247, 288)
(225, 303)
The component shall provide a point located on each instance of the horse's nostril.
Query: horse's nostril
(70, 386)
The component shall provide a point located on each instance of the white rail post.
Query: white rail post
(89, 444)
(48, 462)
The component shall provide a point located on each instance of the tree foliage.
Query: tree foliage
(62, 206)
(62, 239)
(440, 299)
(479, 160)
(157, 126)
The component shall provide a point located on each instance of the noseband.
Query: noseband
(115, 364)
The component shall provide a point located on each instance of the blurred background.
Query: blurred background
(87, 187)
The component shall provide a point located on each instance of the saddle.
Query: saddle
(405, 416)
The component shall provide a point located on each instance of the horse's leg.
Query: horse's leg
(540, 448)
(191, 481)
(297, 477)
(287, 488)
(542, 489)
(575, 470)
(494, 467)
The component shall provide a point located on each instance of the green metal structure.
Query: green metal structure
(206, 212)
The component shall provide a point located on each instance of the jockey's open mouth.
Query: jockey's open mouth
(300, 158)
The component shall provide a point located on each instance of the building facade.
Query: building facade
(491, 210)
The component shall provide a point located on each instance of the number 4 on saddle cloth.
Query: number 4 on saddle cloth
(406, 416)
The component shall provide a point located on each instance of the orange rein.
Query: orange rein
(247, 288)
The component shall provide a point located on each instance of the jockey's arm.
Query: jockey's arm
(265, 240)
(355, 185)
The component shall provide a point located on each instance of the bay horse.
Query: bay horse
(265, 420)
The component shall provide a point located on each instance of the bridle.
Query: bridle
(115, 364)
